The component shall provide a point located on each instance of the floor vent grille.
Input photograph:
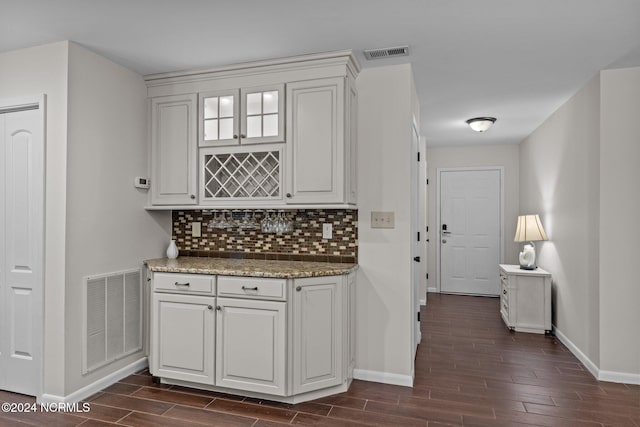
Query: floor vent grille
(112, 317)
(386, 52)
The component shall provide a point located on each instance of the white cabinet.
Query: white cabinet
(182, 337)
(173, 150)
(290, 340)
(525, 299)
(242, 116)
(320, 155)
(251, 338)
(317, 333)
(306, 103)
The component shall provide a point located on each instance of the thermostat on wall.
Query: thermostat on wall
(141, 182)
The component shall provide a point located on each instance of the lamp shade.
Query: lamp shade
(529, 229)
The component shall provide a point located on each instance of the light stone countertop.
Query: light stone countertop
(249, 267)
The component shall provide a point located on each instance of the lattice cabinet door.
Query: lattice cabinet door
(231, 175)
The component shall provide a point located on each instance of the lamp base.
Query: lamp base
(528, 267)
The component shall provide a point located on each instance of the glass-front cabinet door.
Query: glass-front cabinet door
(219, 113)
(262, 112)
(242, 116)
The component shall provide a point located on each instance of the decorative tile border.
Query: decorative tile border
(305, 243)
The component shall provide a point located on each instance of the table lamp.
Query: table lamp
(529, 230)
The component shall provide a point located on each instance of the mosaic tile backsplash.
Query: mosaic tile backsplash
(304, 243)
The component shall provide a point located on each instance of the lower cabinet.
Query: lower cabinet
(317, 333)
(181, 322)
(251, 342)
(274, 338)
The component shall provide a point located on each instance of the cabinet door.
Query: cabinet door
(351, 323)
(262, 114)
(173, 150)
(182, 337)
(317, 333)
(250, 339)
(352, 144)
(315, 141)
(219, 118)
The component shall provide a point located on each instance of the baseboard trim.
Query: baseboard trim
(591, 367)
(600, 375)
(432, 290)
(98, 385)
(383, 377)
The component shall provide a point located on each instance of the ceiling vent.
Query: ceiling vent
(386, 52)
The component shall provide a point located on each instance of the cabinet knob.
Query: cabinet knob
(504, 291)
(288, 195)
(243, 136)
(210, 307)
(235, 136)
(192, 196)
(218, 308)
(298, 288)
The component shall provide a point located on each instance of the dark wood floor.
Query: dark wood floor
(470, 370)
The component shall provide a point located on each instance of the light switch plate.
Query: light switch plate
(196, 229)
(382, 220)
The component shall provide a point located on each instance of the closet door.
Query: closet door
(21, 250)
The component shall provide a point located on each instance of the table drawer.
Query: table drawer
(184, 283)
(252, 287)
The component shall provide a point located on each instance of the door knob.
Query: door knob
(416, 258)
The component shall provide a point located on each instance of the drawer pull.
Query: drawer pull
(298, 288)
(182, 284)
(244, 288)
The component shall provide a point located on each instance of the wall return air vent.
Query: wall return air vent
(386, 52)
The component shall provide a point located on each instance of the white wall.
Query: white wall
(30, 72)
(108, 229)
(505, 156)
(384, 281)
(619, 218)
(559, 180)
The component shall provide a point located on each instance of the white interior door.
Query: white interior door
(415, 237)
(470, 231)
(21, 250)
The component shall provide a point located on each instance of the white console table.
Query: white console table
(525, 299)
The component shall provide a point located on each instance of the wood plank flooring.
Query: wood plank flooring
(470, 371)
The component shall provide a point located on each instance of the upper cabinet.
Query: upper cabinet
(173, 150)
(320, 149)
(242, 116)
(269, 134)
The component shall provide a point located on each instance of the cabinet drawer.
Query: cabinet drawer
(251, 287)
(184, 283)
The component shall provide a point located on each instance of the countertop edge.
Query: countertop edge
(306, 270)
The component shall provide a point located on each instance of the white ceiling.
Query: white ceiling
(516, 60)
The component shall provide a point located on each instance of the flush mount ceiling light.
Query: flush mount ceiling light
(481, 124)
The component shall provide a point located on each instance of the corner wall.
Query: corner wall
(506, 156)
(108, 229)
(619, 231)
(559, 179)
(383, 315)
(30, 72)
